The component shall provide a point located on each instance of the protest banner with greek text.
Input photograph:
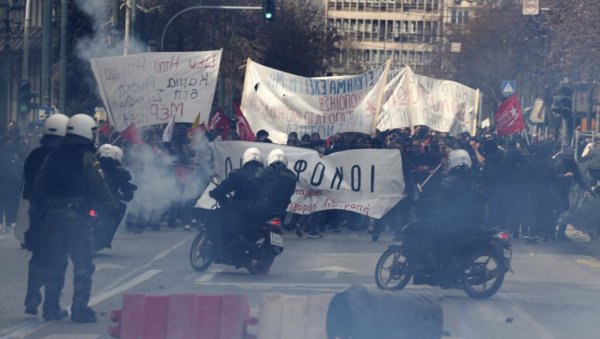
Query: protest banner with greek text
(148, 89)
(365, 181)
(281, 103)
(411, 100)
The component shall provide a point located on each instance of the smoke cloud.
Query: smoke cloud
(98, 44)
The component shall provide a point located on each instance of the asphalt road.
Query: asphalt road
(554, 292)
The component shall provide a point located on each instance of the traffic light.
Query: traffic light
(24, 97)
(562, 102)
(269, 9)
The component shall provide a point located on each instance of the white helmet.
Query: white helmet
(82, 125)
(458, 158)
(277, 155)
(56, 125)
(117, 153)
(251, 154)
(105, 151)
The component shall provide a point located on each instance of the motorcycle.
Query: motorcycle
(477, 264)
(256, 253)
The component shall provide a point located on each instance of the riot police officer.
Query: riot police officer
(68, 184)
(245, 184)
(118, 180)
(55, 128)
(279, 185)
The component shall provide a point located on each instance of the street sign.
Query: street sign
(531, 7)
(508, 87)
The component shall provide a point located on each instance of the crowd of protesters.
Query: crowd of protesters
(527, 181)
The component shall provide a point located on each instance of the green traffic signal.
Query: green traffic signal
(269, 9)
(24, 104)
(562, 103)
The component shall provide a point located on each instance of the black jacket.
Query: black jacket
(244, 183)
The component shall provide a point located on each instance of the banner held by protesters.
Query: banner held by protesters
(148, 89)
(282, 103)
(411, 100)
(365, 181)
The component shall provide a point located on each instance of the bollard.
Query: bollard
(361, 313)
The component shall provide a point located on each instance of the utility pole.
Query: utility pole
(62, 96)
(26, 25)
(127, 27)
(45, 95)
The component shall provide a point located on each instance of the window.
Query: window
(460, 17)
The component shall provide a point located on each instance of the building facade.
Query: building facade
(408, 32)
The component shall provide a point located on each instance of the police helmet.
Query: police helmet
(105, 151)
(82, 125)
(56, 125)
(117, 153)
(251, 154)
(277, 155)
(458, 158)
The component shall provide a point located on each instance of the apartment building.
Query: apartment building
(408, 32)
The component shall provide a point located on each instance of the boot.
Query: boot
(32, 300)
(81, 312)
(52, 310)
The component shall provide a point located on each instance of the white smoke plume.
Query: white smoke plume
(155, 173)
(98, 44)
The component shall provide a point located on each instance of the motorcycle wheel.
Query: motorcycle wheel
(483, 275)
(260, 260)
(391, 271)
(200, 259)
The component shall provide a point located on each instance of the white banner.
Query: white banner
(411, 99)
(148, 89)
(281, 103)
(365, 181)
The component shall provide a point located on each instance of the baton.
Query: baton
(420, 186)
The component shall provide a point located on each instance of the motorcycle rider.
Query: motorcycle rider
(67, 185)
(244, 183)
(279, 186)
(118, 180)
(457, 210)
(55, 128)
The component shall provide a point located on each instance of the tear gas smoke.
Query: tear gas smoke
(161, 186)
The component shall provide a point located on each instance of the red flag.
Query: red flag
(104, 130)
(132, 134)
(243, 126)
(219, 121)
(509, 117)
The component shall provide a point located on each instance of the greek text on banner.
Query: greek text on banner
(281, 103)
(365, 181)
(148, 89)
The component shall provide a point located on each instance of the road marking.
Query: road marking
(107, 266)
(122, 288)
(593, 262)
(270, 286)
(72, 336)
(208, 276)
(145, 266)
(32, 325)
(525, 318)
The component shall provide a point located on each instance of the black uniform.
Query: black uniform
(118, 180)
(67, 186)
(276, 192)
(245, 184)
(34, 235)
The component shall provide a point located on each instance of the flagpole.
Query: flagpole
(477, 117)
(380, 96)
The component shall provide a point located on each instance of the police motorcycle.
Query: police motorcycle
(256, 248)
(476, 264)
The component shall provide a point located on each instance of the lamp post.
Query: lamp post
(11, 16)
